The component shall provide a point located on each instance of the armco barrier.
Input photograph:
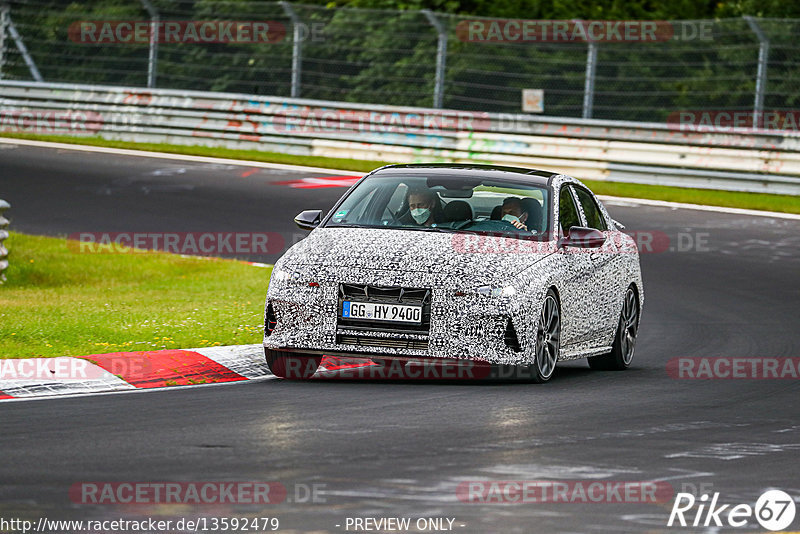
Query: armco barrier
(650, 153)
(3, 236)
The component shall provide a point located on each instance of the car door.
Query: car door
(605, 265)
(579, 281)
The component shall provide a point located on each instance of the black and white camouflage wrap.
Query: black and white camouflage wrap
(590, 284)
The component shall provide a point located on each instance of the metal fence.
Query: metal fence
(589, 149)
(412, 58)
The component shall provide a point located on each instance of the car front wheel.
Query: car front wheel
(548, 340)
(546, 349)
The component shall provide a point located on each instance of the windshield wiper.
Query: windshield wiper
(351, 225)
(434, 229)
(439, 229)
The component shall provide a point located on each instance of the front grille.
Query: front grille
(370, 341)
(386, 295)
(403, 295)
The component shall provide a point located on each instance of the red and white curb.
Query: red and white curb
(33, 378)
(122, 371)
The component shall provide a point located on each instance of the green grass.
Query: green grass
(731, 199)
(58, 302)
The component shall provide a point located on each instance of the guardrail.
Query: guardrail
(3, 236)
(650, 153)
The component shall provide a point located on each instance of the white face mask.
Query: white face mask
(420, 214)
(510, 218)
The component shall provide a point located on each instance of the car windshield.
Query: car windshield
(446, 204)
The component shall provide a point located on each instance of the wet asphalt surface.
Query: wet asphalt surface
(726, 286)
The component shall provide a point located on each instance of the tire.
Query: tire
(547, 344)
(290, 365)
(624, 344)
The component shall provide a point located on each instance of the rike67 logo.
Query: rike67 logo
(774, 510)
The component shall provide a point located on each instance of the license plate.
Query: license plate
(373, 311)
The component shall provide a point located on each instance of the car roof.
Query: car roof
(471, 170)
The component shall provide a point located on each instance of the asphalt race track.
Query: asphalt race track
(726, 286)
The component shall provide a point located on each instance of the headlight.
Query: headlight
(285, 275)
(490, 291)
(291, 277)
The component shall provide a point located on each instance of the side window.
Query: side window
(594, 217)
(567, 212)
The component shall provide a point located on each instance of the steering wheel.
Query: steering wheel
(395, 218)
(462, 224)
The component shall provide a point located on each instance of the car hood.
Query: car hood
(447, 254)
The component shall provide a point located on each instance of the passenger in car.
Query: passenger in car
(424, 208)
(513, 213)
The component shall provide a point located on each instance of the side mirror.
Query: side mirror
(583, 238)
(309, 219)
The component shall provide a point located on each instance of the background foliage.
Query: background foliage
(384, 51)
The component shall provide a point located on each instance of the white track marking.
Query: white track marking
(251, 263)
(301, 168)
(138, 390)
(622, 201)
(179, 157)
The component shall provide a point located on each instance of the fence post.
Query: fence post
(3, 23)
(12, 31)
(297, 48)
(591, 69)
(3, 236)
(152, 55)
(441, 57)
(588, 88)
(761, 74)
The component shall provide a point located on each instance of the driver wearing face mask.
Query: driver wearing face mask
(421, 205)
(512, 213)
